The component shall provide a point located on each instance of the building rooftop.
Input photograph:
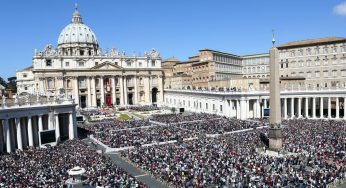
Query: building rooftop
(174, 59)
(26, 69)
(220, 53)
(255, 55)
(312, 42)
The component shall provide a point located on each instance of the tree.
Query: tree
(12, 84)
(3, 82)
(173, 110)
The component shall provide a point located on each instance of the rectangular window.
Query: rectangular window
(220, 108)
(317, 74)
(153, 63)
(48, 62)
(325, 74)
(67, 64)
(81, 64)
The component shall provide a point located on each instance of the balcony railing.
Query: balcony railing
(34, 101)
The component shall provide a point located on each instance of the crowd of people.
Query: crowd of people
(141, 136)
(144, 108)
(140, 108)
(218, 125)
(118, 134)
(49, 167)
(180, 118)
(316, 157)
(114, 125)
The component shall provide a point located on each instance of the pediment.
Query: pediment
(106, 66)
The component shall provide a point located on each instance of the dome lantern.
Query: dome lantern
(76, 18)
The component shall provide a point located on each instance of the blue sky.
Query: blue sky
(174, 27)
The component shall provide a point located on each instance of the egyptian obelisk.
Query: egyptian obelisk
(275, 134)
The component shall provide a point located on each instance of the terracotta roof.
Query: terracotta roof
(311, 42)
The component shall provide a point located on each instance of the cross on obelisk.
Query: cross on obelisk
(275, 134)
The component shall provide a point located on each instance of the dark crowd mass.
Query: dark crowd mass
(314, 157)
(49, 167)
(180, 118)
(118, 134)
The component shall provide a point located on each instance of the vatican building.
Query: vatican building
(92, 77)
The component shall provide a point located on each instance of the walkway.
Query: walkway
(134, 171)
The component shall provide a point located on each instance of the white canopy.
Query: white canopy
(76, 171)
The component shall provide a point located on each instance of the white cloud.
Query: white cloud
(340, 9)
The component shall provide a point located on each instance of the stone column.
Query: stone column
(237, 109)
(76, 90)
(121, 90)
(136, 90)
(321, 108)
(258, 108)
(314, 107)
(89, 92)
(337, 108)
(285, 108)
(147, 89)
(102, 89)
(19, 134)
(30, 132)
(94, 103)
(160, 83)
(345, 108)
(125, 90)
(57, 127)
(299, 107)
(70, 127)
(254, 109)
(113, 90)
(247, 111)
(265, 103)
(243, 109)
(292, 108)
(40, 128)
(2, 136)
(329, 108)
(8, 136)
(306, 107)
(50, 121)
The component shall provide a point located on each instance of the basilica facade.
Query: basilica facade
(79, 69)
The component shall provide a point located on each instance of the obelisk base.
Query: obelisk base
(275, 137)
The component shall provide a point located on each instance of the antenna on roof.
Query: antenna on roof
(273, 40)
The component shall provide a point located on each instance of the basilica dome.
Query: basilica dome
(77, 32)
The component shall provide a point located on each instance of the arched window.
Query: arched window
(50, 83)
(68, 83)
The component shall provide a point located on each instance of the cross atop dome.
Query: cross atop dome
(76, 16)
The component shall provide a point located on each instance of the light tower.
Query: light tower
(275, 133)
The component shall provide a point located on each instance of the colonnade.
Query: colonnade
(252, 104)
(313, 107)
(116, 90)
(23, 132)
